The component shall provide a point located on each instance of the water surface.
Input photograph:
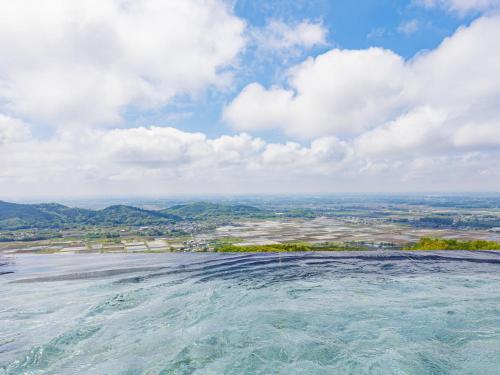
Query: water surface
(314, 313)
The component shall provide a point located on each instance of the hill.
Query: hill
(52, 215)
(127, 215)
(205, 210)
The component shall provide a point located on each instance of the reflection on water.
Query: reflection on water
(314, 313)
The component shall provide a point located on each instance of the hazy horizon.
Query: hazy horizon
(236, 196)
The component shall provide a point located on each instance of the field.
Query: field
(370, 222)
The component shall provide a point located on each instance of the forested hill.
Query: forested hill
(52, 215)
(206, 210)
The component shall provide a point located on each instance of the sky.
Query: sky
(102, 98)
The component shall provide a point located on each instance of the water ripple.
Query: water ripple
(314, 313)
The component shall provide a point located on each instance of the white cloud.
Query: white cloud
(461, 6)
(162, 161)
(153, 146)
(377, 33)
(341, 92)
(381, 104)
(13, 130)
(409, 27)
(84, 62)
(419, 129)
(154, 160)
(472, 134)
(257, 108)
(279, 36)
(463, 73)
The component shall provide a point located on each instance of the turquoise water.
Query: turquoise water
(340, 313)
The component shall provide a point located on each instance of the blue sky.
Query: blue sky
(350, 23)
(242, 96)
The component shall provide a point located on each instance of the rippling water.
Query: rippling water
(321, 313)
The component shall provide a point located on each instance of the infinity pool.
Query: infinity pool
(308, 313)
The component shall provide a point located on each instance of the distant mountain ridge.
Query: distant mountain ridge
(53, 215)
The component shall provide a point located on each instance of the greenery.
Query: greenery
(14, 216)
(101, 235)
(29, 236)
(205, 210)
(291, 247)
(431, 243)
(37, 222)
(127, 215)
(450, 220)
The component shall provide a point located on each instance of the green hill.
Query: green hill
(14, 216)
(127, 215)
(22, 211)
(205, 210)
(52, 215)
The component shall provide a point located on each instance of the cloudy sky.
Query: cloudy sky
(160, 97)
